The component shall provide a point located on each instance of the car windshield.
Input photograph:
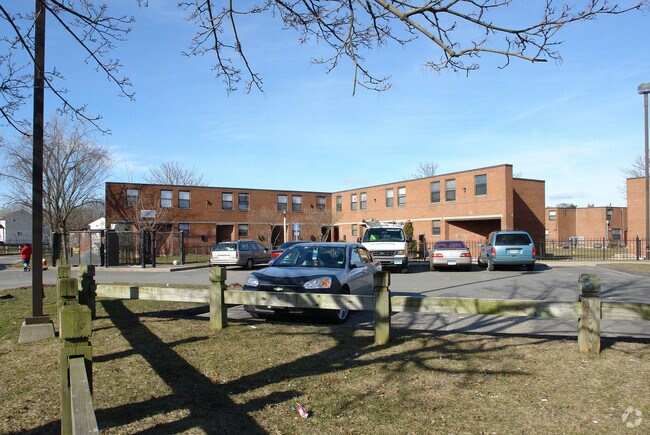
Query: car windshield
(225, 247)
(312, 256)
(517, 239)
(383, 235)
(450, 245)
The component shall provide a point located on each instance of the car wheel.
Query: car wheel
(249, 264)
(530, 267)
(490, 265)
(479, 262)
(339, 316)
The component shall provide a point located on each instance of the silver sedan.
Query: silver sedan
(450, 253)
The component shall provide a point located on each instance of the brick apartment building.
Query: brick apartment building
(462, 205)
(587, 225)
(636, 208)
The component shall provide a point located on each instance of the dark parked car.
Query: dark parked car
(331, 268)
(283, 247)
(450, 253)
(508, 248)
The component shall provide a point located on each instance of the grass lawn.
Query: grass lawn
(159, 368)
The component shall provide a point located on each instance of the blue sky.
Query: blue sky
(577, 125)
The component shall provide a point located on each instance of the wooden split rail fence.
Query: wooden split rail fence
(588, 310)
(76, 303)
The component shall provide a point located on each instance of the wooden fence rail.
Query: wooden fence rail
(589, 309)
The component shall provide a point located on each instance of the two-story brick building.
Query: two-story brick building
(461, 205)
(587, 225)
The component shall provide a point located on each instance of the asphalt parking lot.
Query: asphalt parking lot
(552, 282)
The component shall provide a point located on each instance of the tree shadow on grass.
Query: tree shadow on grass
(208, 407)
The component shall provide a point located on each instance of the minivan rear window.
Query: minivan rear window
(512, 239)
(225, 247)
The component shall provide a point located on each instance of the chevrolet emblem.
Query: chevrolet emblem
(278, 289)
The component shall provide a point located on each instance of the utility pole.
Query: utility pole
(39, 325)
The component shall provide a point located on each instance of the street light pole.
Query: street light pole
(644, 89)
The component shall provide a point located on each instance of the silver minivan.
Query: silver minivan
(239, 253)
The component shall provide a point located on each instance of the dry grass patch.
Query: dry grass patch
(158, 367)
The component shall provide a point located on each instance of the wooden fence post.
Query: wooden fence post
(74, 335)
(88, 290)
(218, 308)
(382, 307)
(589, 322)
(66, 287)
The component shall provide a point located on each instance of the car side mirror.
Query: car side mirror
(358, 239)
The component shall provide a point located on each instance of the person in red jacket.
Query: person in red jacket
(26, 255)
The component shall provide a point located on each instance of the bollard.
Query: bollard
(589, 322)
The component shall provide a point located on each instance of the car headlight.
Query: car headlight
(251, 281)
(322, 282)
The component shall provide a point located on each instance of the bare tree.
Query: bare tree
(74, 169)
(424, 170)
(637, 170)
(148, 214)
(172, 173)
(315, 220)
(266, 219)
(461, 31)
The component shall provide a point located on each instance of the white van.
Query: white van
(387, 243)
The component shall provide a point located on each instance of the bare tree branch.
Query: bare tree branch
(74, 167)
(173, 174)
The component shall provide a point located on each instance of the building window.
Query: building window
(362, 201)
(450, 190)
(608, 214)
(339, 203)
(435, 227)
(552, 215)
(132, 197)
(435, 191)
(320, 203)
(355, 230)
(183, 199)
(243, 201)
(296, 203)
(242, 230)
(389, 197)
(616, 234)
(353, 201)
(185, 229)
(282, 202)
(480, 185)
(226, 201)
(165, 199)
(401, 196)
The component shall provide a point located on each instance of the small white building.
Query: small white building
(16, 228)
(99, 224)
